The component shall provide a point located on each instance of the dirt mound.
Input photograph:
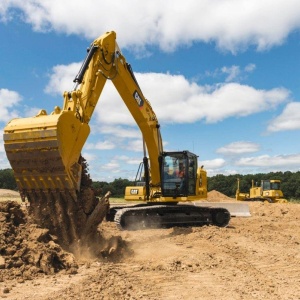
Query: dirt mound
(26, 249)
(8, 193)
(215, 196)
(255, 257)
(55, 232)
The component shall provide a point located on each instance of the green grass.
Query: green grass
(114, 200)
(294, 201)
(117, 200)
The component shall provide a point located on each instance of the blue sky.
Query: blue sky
(222, 76)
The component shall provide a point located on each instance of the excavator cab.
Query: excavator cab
(178, 174)
(180, 180)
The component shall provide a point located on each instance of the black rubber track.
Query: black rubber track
(165, 216)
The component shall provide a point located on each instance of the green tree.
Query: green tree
(290, 183)
(7, 179)
(119, 186)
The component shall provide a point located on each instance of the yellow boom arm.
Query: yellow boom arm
(44, 150)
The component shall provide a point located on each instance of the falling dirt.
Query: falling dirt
(257, 257)
(71, 216)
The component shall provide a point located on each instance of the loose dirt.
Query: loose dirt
(257, 257)
(72, 216)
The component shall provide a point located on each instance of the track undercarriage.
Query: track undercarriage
(143, 216)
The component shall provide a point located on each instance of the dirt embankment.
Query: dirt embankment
(257, 257)
(26, 249)
(215, 196)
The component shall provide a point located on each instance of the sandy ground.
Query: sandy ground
(253, 258)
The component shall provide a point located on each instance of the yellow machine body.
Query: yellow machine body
(138, 191)
(44, 150)
(269, 191)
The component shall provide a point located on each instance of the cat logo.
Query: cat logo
(138, 99)
(134, 192)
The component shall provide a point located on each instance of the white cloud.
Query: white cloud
(240, 147)
(89, 156)
(105, 145)
(110, 109)
(121, 131)
(10, 106)
(176, 100)
(250, 68)
(288, 120)
(233, 72)
(8, 100)
(134, 145)
(1, 141)
(4, 164)
(253, 165)
(129, 160)
(213, 166)
(112, 166)
(61, 78)
(216, 163)
(285, 162)
(232, 24)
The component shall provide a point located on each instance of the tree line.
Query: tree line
(290, 183)
(226, 184)
(117, 187)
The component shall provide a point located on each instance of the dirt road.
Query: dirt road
(253, 258)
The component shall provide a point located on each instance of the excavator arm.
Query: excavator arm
(44, 150)
(106, 62)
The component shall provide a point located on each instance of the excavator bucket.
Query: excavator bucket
(44, 151)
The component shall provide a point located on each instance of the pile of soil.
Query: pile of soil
(9, 193)
(73, 217)
(215, 196)
(255, 257)
(26, 249)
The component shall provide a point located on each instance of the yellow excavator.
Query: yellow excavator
(268, 191)
(44, 151)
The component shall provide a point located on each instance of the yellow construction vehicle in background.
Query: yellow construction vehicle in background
(269, 190)
(44, 151)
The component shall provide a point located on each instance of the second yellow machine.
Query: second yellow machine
(269, 191)
(44, 150)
